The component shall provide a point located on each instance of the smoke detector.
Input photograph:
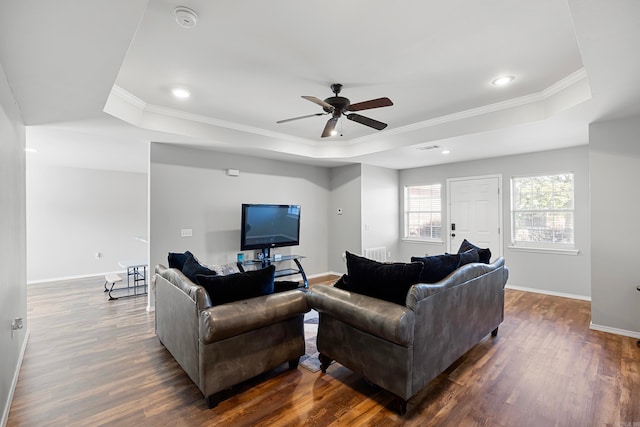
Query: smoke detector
(185, 17)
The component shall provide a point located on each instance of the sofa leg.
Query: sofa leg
(213, 400)
(324, 362)
(402, 406)
(293, 364)
(494, 333)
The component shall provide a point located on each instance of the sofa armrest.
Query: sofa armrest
(235, 318)
(196, 292)
(383, 319)
(462, 275)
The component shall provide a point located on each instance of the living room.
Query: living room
(604, 163)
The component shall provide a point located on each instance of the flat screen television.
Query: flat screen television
(269, 226)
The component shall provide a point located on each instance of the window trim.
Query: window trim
(406, 238)
(543, 247)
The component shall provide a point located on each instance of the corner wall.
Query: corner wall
(74, 213)
(614, 159)
(13, 289)
(565, 275)
(381, 209)
(190, 189)
(345, 228)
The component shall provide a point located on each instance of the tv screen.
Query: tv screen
(269, 226)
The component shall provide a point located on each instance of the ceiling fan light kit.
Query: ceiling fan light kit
(339, 106)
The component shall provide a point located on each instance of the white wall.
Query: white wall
(345, 229)
(13, 290)
(380, 209)
(190, 189)
(614, 157)
(560, 274)
(74, 213)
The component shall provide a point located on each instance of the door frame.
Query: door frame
(500, 212)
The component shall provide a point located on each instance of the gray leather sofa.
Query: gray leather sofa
(220, 346)
(402, 348)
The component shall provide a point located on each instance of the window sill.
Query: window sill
(554, 251)
(426, 242)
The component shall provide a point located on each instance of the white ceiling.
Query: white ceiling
(92, 77)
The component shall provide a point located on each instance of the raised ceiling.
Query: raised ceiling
(113, 64)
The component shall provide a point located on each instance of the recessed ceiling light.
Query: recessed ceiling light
(503, 80)
(181, 93)
(30, 150)
(446, 152)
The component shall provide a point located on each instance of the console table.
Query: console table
(276, 260)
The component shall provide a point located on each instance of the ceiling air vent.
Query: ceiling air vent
(428, 147)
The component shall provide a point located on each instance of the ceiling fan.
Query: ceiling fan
(338, 106)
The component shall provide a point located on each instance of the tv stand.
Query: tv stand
(267, 260)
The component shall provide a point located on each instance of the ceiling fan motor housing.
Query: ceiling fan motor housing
(340, 104)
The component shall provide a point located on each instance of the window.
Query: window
(422, 212)
(542, 210)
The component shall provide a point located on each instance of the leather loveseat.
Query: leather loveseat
(401, 348)
(223, 345)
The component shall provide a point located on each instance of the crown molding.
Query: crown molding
(543, 95)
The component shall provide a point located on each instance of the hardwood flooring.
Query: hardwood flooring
(92, 362)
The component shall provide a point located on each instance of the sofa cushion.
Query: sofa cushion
(192, 268)
(386, 281)
(176, 259)
(483, 254)
(437, 267)
(238, 286)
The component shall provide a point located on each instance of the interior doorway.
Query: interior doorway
(475, 213)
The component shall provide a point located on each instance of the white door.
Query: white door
(475, 213)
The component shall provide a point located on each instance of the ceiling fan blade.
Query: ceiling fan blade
(301, 117)
(367, 121)
(373, 103)
(329, 127)
(319, 101)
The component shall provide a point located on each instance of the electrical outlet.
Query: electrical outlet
(98, 255)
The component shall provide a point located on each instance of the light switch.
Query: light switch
(186, 232)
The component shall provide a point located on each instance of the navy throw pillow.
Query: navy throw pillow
(386, 281)
(437, 267)
(468, 257)
(342, 283)
(176, 259)
(238, 286)
(192, 268)
(483, 254)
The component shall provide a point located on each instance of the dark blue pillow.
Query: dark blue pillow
(192, 268)
(238, 286)
(468, 257)
(437, 267)
(342, 283)
(386, 281)
(484, 254)
(176, 260)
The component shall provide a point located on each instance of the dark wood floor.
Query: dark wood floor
(92, 362)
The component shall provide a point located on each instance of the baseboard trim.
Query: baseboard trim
(14, 382)
(616, 331)
(81, 276)
(547, 292)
